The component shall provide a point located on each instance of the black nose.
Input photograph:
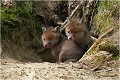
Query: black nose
(70, 38)
(45, 45)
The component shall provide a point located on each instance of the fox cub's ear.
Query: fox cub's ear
(57, 29)
(43, 29)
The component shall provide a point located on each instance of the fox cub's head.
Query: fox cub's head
(50, 36)
(74, 30)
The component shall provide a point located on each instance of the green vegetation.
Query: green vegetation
(104, 19)
(109, 46)
(20, 29)
(19, 19)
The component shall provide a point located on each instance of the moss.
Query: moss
(109, 46)
(104, 45)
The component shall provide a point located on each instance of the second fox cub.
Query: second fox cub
(62, 49)
(77, 32)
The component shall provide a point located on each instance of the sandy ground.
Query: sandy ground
(54, 71)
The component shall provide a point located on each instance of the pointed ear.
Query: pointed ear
(57, 29)
(43, 29)
(78, 22)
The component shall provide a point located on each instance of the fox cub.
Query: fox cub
(63, 50)
(78, 33)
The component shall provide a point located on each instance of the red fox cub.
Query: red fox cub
(63, 50)
(78, 33)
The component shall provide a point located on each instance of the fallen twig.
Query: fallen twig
(70, 17)
(95, 43)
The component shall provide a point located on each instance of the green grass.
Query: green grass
(104, 19)
(21, 31)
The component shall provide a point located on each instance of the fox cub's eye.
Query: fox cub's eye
(44, 39)
(68, 31)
